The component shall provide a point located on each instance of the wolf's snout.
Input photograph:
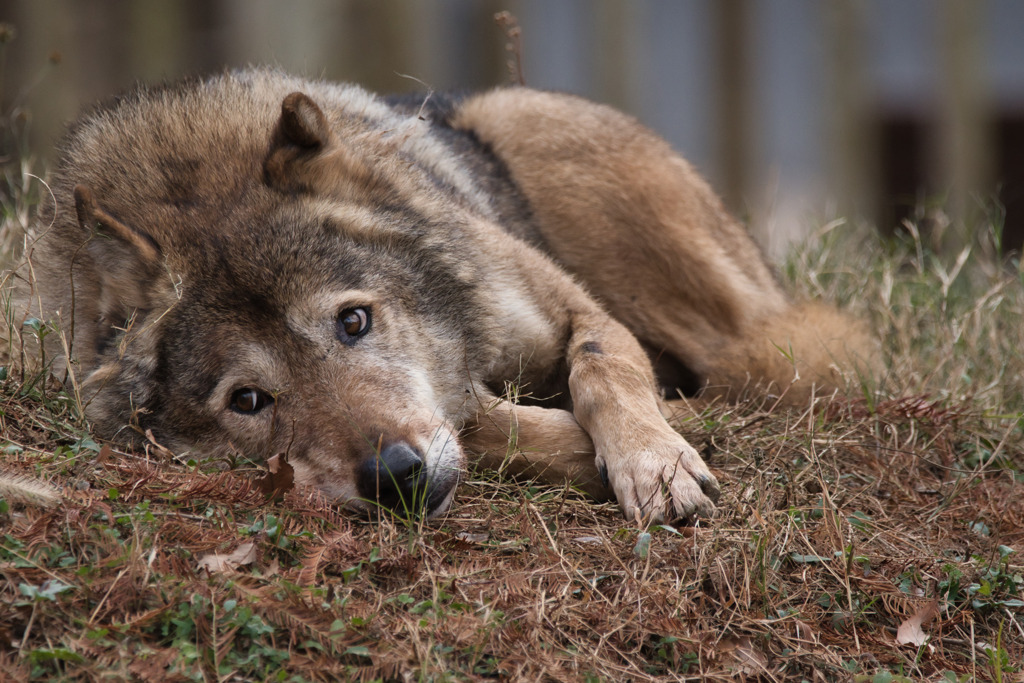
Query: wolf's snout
(394, 477)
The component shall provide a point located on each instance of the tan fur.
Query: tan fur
(210, 240)
(633, 221)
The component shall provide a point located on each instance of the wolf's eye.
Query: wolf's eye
(249, 400)
(352, 323)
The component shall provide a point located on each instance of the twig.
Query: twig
(514, 47)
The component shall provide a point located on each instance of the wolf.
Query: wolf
(383, 289)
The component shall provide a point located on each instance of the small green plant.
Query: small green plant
(998, 585)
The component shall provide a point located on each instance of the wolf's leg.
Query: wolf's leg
(653, 471)
(530, 441)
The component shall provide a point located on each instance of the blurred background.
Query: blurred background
(798, 111)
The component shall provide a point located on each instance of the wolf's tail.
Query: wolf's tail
(806, 350)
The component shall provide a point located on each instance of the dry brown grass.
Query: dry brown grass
(836, 526)
(832, 532)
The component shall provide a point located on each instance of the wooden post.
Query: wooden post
(611, 46)
(964, 142)
(732, 57)
(852, 143)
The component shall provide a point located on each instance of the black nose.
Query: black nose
(394, 478)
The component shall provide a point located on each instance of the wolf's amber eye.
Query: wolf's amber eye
(249, 400)
(353, 323)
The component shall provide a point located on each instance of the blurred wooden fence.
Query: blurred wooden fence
(784, 104)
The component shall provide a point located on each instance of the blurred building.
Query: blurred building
(797, 110)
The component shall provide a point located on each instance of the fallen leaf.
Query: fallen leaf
(160, 450)
(804, 631)
(217, 564)
(740, 656)
(279, 479)
(463, 630)
(910, 631)
(592, 540)
(273, 569)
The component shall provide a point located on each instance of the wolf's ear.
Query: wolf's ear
(92, 218)
(302, 122)
(301, 132)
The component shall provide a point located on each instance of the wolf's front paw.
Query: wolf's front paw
(660, 482)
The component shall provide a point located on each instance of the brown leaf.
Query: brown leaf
(739, 655)
(217, 564)
(280, 477)
(273, 569)
(464, 630)
(154, 665)
(160, 450)
(805, 631)
(910, 631)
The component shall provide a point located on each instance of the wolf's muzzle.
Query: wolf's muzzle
(397, 480)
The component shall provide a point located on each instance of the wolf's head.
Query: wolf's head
(330, 323)
(289, 330)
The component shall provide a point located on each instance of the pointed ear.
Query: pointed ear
(302, 122)
(92, 218)
(125, 278)
(301, 133)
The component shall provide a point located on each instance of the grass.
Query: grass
(836, 527)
